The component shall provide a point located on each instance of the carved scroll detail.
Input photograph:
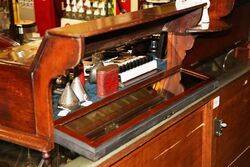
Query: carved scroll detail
(56, 55)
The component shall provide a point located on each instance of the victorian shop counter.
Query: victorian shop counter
(132, 90)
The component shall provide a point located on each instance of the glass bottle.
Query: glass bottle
(89, 14)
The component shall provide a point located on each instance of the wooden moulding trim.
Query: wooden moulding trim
(56, 55)
(32, 141)
(207, 135)
(75, 135)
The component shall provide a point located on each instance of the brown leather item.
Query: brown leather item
(107, 80)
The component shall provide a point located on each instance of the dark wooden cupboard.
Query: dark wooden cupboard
(235, 112)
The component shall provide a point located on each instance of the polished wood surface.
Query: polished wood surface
(127, 20)
(234, 106)
(220, 8)
(168, 148)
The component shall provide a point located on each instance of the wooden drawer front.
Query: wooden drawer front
(180, 145)
(233, 88)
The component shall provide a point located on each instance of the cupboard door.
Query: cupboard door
(234, 111)
(180, 145)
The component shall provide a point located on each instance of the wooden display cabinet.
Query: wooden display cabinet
(26, 110)
(186, 138)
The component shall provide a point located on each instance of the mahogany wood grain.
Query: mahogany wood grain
(207, 136)
(234, 106)
(138, 144)
(26, 105)
(27, 117)
(167, 148)
(220, 8)
(50, 63)
(18, 87)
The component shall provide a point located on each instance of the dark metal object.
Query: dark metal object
(162, 45)
(219, 126)
(93, 72)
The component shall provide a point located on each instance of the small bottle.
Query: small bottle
(101, 5)
(97, 14)
(89, 14)
(81, 12)
(95, 4)
(68, 9)
(110, 9)
(103, 12)
(74, 9)
(87, 3)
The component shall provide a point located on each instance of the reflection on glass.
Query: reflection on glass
(105, 119)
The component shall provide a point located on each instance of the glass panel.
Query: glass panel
(107, 118)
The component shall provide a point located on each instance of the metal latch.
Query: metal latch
(219, 126)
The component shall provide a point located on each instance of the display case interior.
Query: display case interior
(99, 129)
